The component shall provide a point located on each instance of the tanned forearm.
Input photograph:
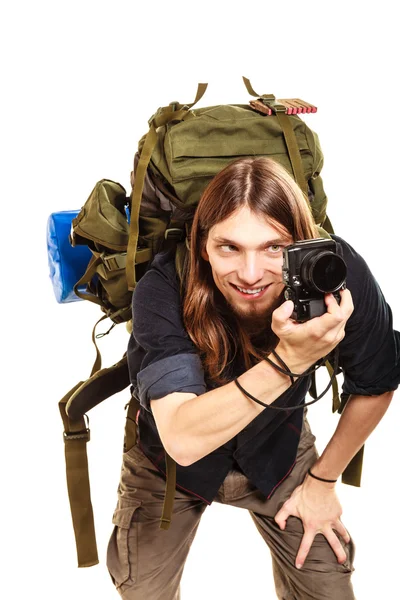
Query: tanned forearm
(204, 423)
(360, 417)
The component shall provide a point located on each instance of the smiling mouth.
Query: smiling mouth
(248, 292)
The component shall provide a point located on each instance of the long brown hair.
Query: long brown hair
(268, 190)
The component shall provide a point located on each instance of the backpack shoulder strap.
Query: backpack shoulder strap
(76, 436)
(173, 112)
(135, 255)
(73, 408)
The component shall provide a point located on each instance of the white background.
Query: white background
(79, 81)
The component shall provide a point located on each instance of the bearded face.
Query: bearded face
(245, 253)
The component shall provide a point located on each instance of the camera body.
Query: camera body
(311, 269)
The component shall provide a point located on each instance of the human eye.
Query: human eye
(275, 248)
(227, 248)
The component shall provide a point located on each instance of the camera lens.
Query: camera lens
(324, 271)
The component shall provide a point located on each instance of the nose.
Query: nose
(251, 271)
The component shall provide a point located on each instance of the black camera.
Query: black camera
(311, 269)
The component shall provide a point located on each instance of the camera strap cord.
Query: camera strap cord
(286, 371)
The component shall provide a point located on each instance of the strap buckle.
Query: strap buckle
(121, 315)
(175, 234)
(270, 101)
(156, 114)
(114, 262)
(77, 435)
(267, 105)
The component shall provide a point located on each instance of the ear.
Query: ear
(204, 253)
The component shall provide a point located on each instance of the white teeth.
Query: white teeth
(251, 291)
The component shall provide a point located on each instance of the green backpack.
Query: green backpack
(182, 151)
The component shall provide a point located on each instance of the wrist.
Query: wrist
(320, 487)
(319, 478)
(294, 360)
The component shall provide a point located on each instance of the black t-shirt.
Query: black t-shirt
(162, 359)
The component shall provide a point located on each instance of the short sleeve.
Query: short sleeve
(162, 358)
(370, 351)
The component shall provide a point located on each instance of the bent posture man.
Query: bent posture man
(189, 344)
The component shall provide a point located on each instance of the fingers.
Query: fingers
(304, 549)
(344, 309)
(333, 540)
(333, 322)
(315, 337)
(282, 324)
(335, 545)
(282, 314)
(342, 531)
(281, 517)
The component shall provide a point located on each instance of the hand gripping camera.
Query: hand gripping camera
(311, 269)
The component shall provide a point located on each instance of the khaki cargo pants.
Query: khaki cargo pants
(146, 563)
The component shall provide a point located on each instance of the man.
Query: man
(197, 358)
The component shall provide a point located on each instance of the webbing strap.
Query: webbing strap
(130, 425)
(249, 87)
(352, 473)
(147, 150)
(97, 362)
(76, 436)
(97, 388)
(290, 139)
(201, 88)
(335, 388)
(327, 225)
(169, 493)
(293, 151)
(162, 117)
(86, 278)
(313, 387)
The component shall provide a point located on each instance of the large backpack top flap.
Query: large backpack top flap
(188, 154)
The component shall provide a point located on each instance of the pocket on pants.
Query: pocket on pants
(135, 455)
(321, 557)
(122, 551)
